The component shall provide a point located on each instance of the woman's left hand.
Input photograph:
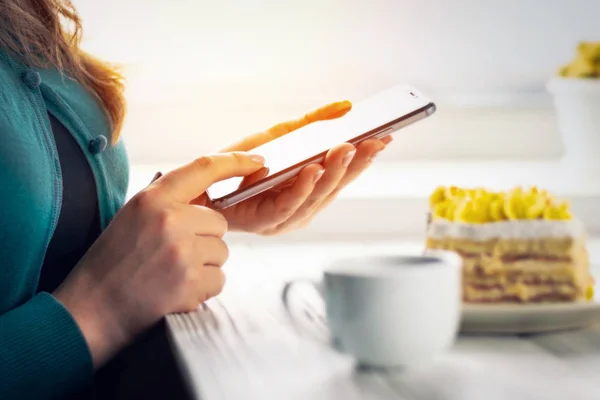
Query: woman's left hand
(295, 203)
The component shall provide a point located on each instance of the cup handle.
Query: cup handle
(285, 297)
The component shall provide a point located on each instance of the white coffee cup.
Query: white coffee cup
(392, 310)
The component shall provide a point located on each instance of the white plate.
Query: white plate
(529, 318)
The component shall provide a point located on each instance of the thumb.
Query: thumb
(186, 183)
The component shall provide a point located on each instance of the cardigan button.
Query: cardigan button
(32, 79)
(98, 144)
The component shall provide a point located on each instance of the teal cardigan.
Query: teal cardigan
(42, 351)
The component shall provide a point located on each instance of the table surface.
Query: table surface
(243, 345)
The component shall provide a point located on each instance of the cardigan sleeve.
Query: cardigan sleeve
(43, 354)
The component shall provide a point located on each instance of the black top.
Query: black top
(79, 220)
(146, 368)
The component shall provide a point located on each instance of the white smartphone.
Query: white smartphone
(374, 117)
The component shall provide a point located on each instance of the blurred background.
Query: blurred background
(204, 73)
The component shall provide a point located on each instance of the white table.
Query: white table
(242, 345)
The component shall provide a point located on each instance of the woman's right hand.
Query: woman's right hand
(159, 255)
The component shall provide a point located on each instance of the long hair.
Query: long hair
(44, 33)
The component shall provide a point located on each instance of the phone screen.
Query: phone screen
(318, 137)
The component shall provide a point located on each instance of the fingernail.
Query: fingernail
(318, 176)
(257, 159)
(348, 158)
(156, 176)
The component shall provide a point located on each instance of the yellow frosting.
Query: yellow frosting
(480, 206)
(589, 294)
(586, 63)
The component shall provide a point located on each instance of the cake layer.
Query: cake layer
(528, 278)
(528, 270)
(534, 266)
(572, 283)
(565, 248)
(522, 293)
(542, 298)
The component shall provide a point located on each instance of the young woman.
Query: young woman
(81, 272)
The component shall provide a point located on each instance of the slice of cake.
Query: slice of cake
(517, 246)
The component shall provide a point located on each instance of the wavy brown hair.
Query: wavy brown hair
(44, 33)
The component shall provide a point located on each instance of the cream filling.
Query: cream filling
(521, 291)
(525, 279)
(491, 266)
(521, 229)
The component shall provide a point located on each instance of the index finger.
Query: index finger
(186, 183)
(330, 111)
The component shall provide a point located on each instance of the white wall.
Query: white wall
(203, 72)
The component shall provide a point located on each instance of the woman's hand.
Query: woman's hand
(159, 255)
(294, 204)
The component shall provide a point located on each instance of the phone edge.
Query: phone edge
(236, 197)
